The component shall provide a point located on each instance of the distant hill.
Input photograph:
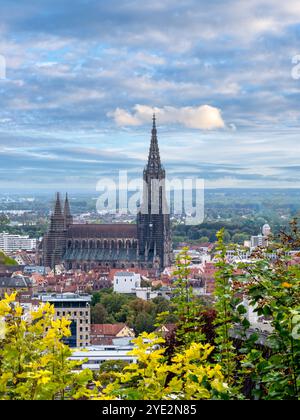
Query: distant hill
(5, 260)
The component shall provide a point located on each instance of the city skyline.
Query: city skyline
(83, 78)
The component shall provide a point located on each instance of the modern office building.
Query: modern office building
(77, 308)
(10, 243)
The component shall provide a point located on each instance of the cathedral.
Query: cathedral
(146, 244)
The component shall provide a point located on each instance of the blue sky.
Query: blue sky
(83, 78)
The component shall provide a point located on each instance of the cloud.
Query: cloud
(204, 117)
(76, 71)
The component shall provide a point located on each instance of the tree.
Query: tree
(204, 239)
(99, 314)
(186, 306)
(144, 322)
(273, 288)
(34, 361)
(189, 375)
(4, 220)
(226, 315)
(240, 238)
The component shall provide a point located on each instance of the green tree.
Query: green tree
(273, 288)
(188, 376)
(4, 220)
(99, 314)
(186, 306)
(240, 238)
(226, 306)
(143, 322)
(204, 239)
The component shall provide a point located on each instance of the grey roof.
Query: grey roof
(124, 274)
(95, 231)
(15, 282)
(100, 255)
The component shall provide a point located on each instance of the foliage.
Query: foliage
(108, 371)
(189, 375)
(227, 315)
(4, 220)
(110, 307)
(273, 289)
(34, 362)
(99, 314)
(214, 352)
(185, 304)
(5, 260)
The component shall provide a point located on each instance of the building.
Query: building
(167, 330)
(106, 334)
(266, 231)
(259, 241)
(93, 357)
(147, 293)
(29, 270)
(126, 282)
(24, 258)
(10, 243)
(146, 244)
(77, 308)
(13, 284)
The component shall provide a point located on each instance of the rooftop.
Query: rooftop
(74, 297)
(125, 274)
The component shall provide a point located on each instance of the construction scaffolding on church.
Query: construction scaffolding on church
(146, 244)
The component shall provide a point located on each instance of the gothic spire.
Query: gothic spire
(154, 162)
(57, 207)
(57, 218)
(67, 210)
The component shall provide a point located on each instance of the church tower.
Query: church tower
(153, 220)
(54, 243)
(67, 213)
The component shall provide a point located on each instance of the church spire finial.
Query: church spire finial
(154, 156)
(154, 121)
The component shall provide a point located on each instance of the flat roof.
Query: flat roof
(66, 297)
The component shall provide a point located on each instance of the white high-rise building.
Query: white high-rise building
(9, 243)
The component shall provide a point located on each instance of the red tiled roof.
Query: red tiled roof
(110, 330)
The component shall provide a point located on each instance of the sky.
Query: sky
(80, 79)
